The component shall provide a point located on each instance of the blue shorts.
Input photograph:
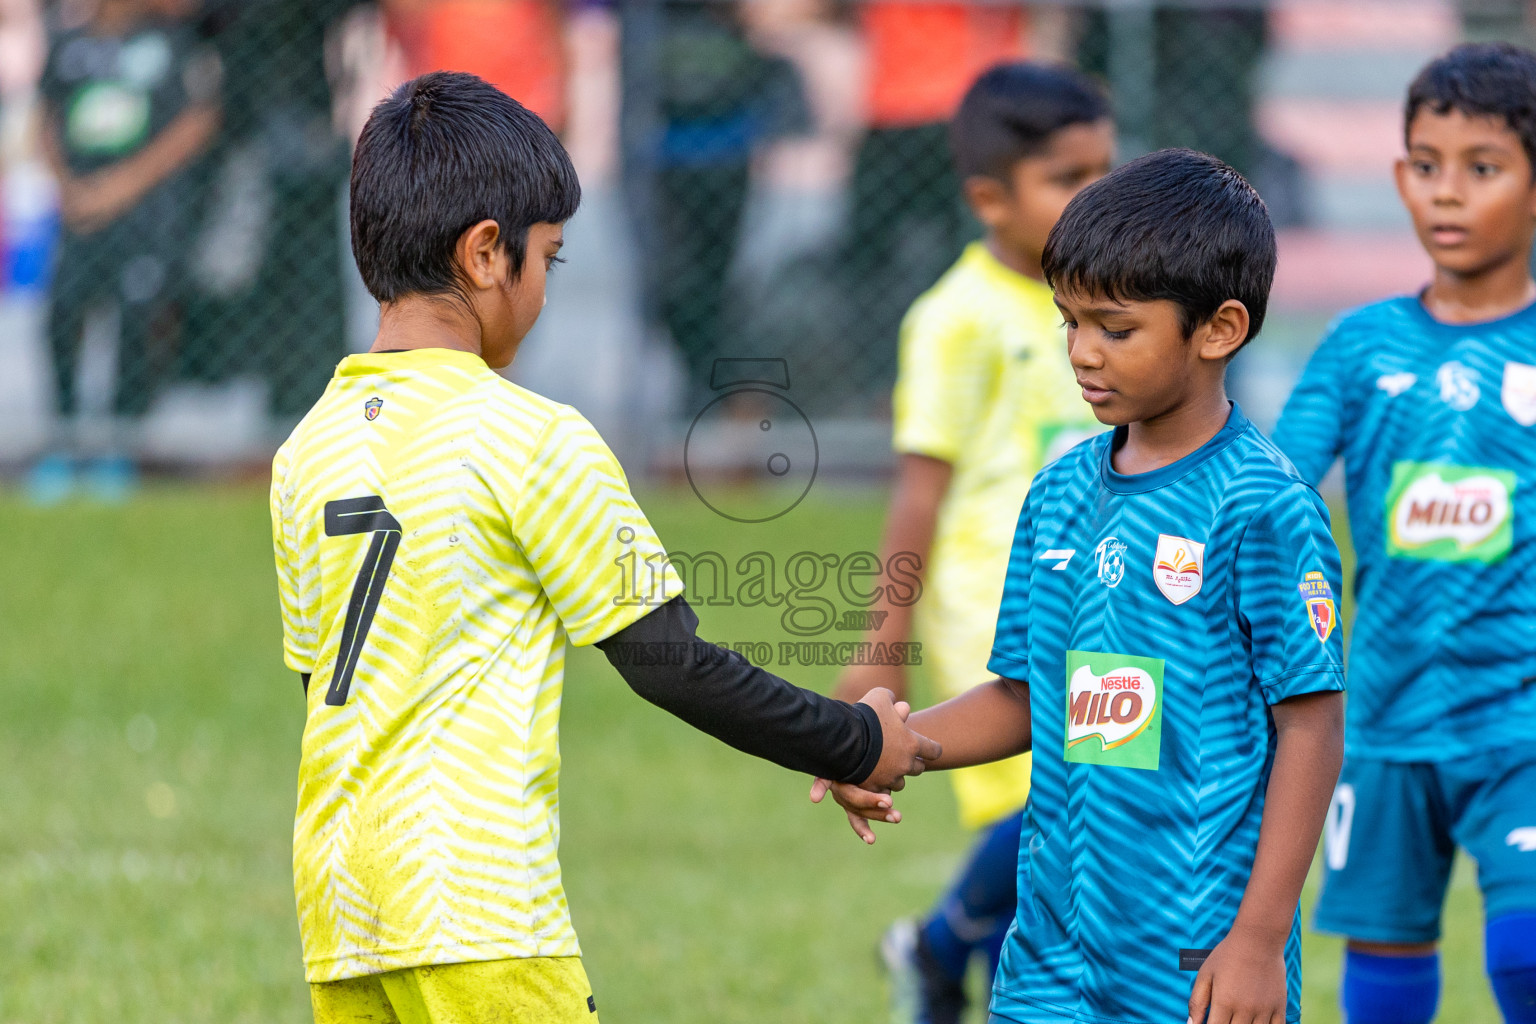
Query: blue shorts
(1392, 833)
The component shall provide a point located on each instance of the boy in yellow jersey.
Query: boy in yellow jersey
(984, 397)
(440, 533)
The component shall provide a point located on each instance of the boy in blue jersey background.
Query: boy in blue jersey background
(1168, 640)
(1431, 401)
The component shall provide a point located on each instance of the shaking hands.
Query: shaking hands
(903, 752)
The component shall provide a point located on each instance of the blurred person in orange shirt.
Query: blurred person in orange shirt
(907, 223)
(516, 45)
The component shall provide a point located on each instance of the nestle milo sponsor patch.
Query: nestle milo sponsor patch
(1442, 512)
(1114, 709)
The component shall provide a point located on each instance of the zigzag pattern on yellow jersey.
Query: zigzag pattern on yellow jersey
(428, 818)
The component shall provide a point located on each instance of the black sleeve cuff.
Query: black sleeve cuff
(875, 739)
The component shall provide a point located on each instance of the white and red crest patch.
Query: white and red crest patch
(1178, 567)
(1519, 393)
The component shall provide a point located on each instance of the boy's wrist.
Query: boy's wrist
(1268, 937)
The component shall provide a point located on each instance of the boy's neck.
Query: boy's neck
(1019, 262)
(1476, 298)
(417, 321)
(1169, 436)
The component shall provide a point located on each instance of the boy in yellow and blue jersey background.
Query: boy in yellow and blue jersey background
(440, 533)
(984, 397)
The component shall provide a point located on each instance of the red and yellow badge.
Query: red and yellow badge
(1322, 613)
(371, 408)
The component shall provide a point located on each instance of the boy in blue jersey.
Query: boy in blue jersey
(1431, 401)
(1167, 643)
(984, 397)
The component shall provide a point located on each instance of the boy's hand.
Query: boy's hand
(1241, 982)
(861, 805)
(902, 751)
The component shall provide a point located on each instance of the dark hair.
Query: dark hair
(1480, 80)
(442, 153)
(1011, 111)
(1175, 225)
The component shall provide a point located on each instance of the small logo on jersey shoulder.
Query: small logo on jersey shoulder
(1111, 556)
(1322, 613)
(1395, 384)
(371, 408)
(1114, 710)
(1458, 385)
(1522, 839)
(1519, 393)
(1178, 567)
(1061, 556)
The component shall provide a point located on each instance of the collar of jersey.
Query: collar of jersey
(1519, 317)
(1139, 483)
(367, 364)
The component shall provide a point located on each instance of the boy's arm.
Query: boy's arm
(987, 723)
(50, 141)
(1311, 427)
(921, 483)
(609, 580)
(1244, 978)
(719, 692)
(1287, 569)
(105, 195)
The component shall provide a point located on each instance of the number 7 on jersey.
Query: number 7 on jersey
(344, 518)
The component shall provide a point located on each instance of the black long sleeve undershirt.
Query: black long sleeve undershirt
(718, 691)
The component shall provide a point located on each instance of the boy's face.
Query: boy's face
(1468, 185)
(520, 301)
(1020, 213)
(1132, 359)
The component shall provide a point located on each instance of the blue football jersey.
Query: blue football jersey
(1437, 426)
(1156, 617)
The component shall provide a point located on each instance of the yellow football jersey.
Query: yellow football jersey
(439, 533)
(983, 383)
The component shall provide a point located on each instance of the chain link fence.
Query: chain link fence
(766, 179)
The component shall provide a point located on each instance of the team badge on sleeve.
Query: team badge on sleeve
(371, 408)
(1178, 567)
(1519, 393)
(1322, 613)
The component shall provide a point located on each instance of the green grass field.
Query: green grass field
(148, 746)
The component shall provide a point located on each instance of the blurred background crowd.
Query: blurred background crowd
(766, 179)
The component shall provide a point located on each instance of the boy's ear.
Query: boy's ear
(986, 198)
(1400, 178)
(1224, 333)
(481, 256)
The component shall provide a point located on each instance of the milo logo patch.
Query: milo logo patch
(1446, 513)
(1114, 710)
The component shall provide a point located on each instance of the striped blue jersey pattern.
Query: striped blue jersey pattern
(1156, 617)
(1436, 424)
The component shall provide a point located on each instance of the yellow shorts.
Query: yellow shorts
(537, 990)
(988, 793)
